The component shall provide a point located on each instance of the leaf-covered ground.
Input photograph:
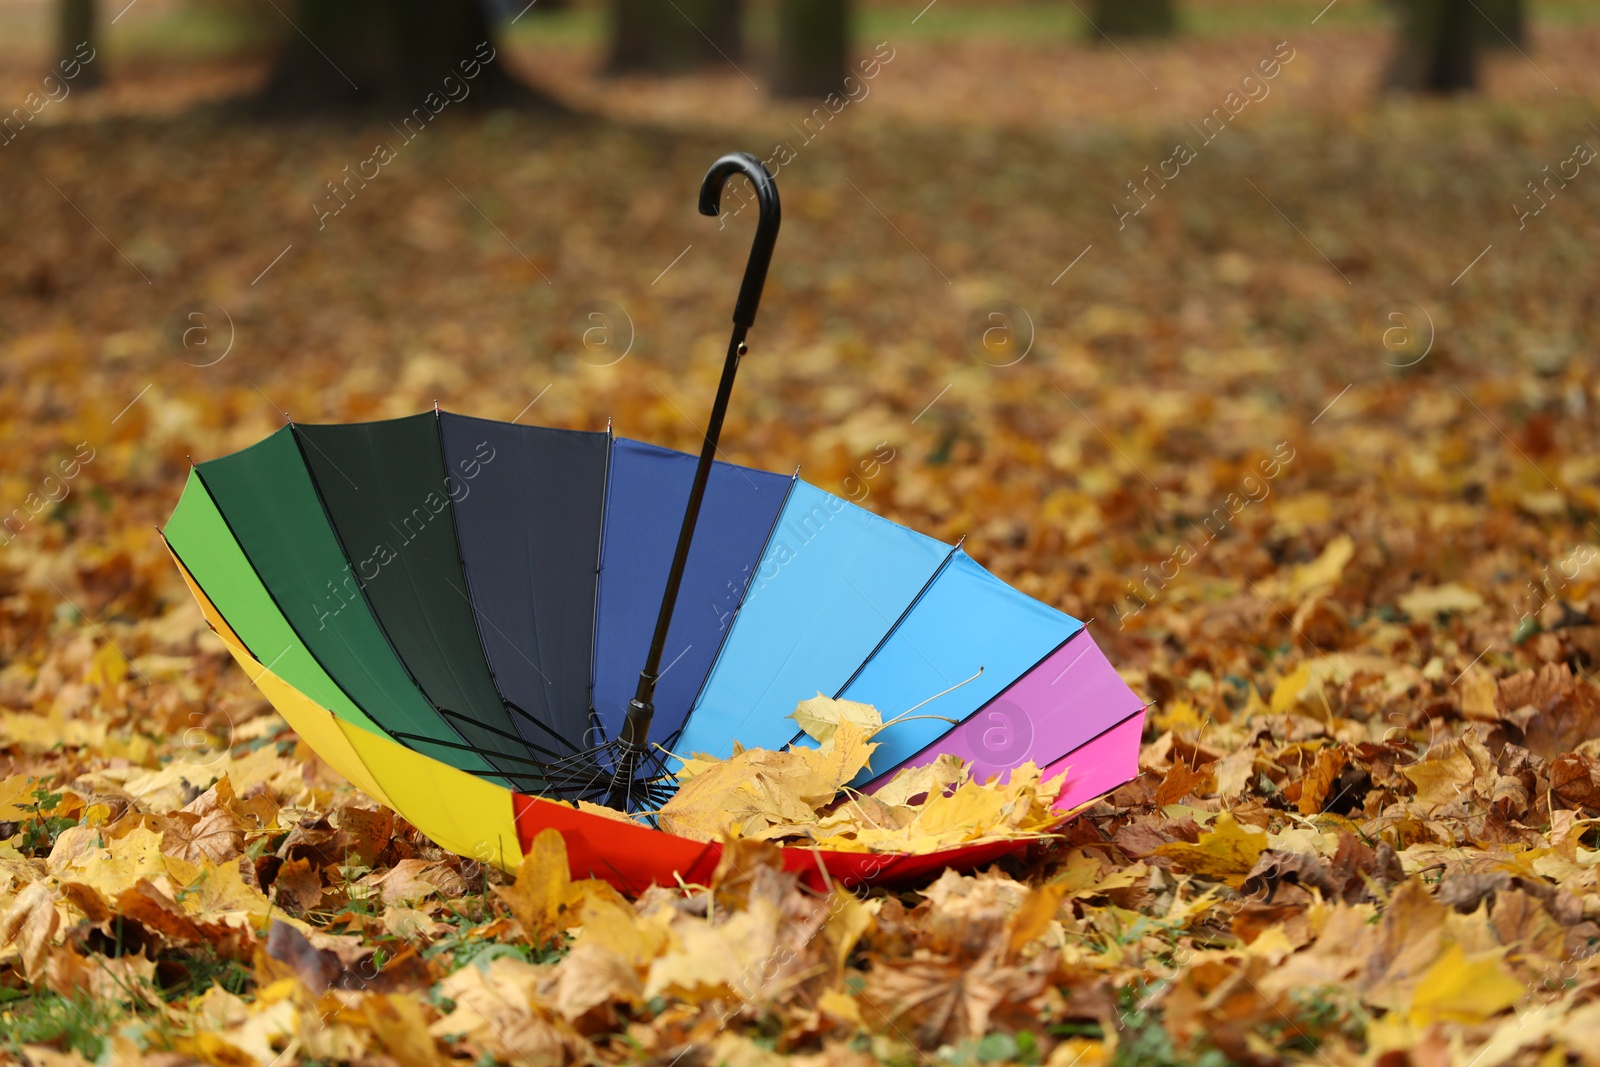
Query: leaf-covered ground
(1310, 437)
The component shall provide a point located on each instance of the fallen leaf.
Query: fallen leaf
(1458, 989)
(544, 898)
(1317, 783)
(1425, 603)
(298, 886)
(1227, 851)
(1182, 780)
(29, 923)
(1322, 572)
(820, 716)
(1443, 779)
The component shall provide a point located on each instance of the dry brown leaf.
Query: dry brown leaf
(29, 923)
(217, 836)
(1183, 779)
(1318, 782)
(1575, 779)
(498, 1007)
(298, 886)
(1564, 708)
(413, 880)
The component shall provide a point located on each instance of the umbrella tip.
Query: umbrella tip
(961, 541)
(608, 425)
(796, 473)
(436, 405)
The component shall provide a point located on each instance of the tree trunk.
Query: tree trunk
(78, 36)
(1504, 23)
(657, 37)
(1438, 49)
(1134, 18)
(503, 10)
(391, 53)
(813, 47)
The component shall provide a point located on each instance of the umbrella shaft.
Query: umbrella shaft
(636, 728)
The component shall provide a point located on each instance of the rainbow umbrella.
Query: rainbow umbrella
(480, 624)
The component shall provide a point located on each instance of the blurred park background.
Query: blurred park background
(1085, 267)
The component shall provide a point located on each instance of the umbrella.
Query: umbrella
(482, 623)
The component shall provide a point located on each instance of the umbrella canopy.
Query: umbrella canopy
(454, 612)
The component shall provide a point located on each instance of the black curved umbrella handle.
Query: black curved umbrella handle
(755, 272)
(632, 747)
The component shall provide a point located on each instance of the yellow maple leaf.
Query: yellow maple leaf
(846, 752)
(960, 816)
(215, 1049)
(538, 897)
(987, 812)
(1291, 688)
(1456, 989)
(796, 794)
(935, 777)
(398, 1021)
(1178, 717)
(757, 790)
(1226, 852)
(108, 668)
(1478, 690)
(544, 898)
(1439, 781)
(1322, 572)
(1088, 874)
(611, 924)
(122, 861)
(16, 796)
(220, 893)
(1033, 917)
(840, 1005)
(848, 920)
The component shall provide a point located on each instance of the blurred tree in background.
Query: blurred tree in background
(813, 47)
(1134, 18)
(76, 26)
(1505, 23)
(361, 53)
(1437, 50)
(660, 37)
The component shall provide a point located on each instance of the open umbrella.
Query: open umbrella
(480, 623)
